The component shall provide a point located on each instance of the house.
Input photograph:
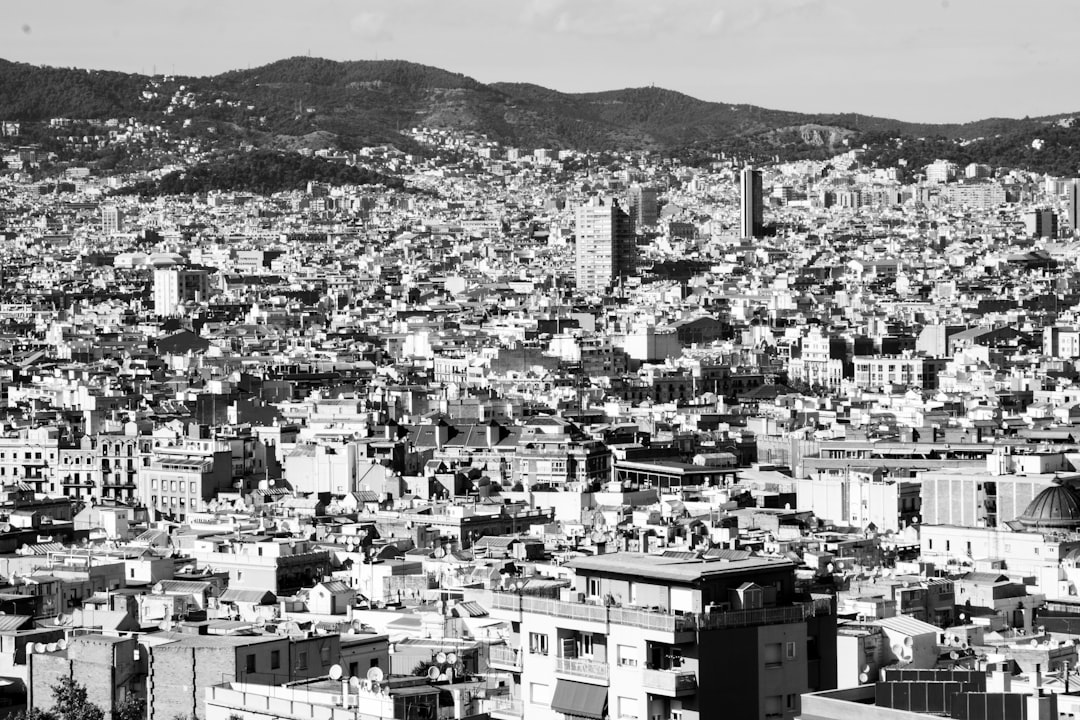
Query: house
(330, 597)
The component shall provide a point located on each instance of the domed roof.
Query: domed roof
(1058, 506)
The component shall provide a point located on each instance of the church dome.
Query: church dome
(1057, 507)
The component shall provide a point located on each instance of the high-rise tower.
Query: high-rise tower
(642, 205)
(606, 250)
(750, 202)
(1074, 207)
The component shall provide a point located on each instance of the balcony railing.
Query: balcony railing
(505, 707)
(582, 667)
(662, 621)
(504, 657)
(670, 683)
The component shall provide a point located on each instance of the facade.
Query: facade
(642, 206)
(1074, 206)
(911, 371)
(750, 203)
(649, 636)
(112, 220)
(1041, 223)
(179, 478)
(606, 251)
(174, 286)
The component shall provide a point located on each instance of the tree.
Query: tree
(132, 707)
(33, 714)
(71, 703)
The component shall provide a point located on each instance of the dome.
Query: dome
(1057, 507)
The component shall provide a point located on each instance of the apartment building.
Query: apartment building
(653, 636)
(179, 478)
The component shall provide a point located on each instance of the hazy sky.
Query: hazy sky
(929, 60)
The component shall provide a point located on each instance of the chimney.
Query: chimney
(999, 679)
(1037, 681)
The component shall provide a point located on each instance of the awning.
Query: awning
(581, 699)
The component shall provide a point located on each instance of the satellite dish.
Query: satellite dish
(866, 668)
(39, 648)
(440, 658)
(375, 674)
(1034, 643)
(908, 641)
(442, 677)
(354, 682)
(51, 647)
(451, 658)
(439, 552)
(433, 673)
(62, 644)
(954, 655)
(864, 678)
(335, 672)
(57, 620)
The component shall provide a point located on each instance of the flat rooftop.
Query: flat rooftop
(676, 569)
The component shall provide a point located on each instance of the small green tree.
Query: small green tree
(132, 707)
(32, 714)
(71, 702)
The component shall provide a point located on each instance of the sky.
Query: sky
(915, 60)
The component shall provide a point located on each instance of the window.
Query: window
(539, 693)
(301, 661)
(594, 587)
(791, 701)
(789, 651)
(191, 487)
(628, 707)
(538, 643)
(675, 715)
(249, 664)
(627, 655)
(773, 656)
(324, 655)
(275, 659)
(774, 706)
(586, 646)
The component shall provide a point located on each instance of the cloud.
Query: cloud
(371, 26)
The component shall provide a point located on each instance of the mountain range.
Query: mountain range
(305, 101)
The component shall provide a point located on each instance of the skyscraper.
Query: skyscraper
(606, 248)
(174, 286)
(750, 184)
(1074, 207)
(642, 205)
(112, 219)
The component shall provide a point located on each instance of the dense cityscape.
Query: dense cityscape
(472, 430)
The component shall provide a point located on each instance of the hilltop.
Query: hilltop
(357, 103)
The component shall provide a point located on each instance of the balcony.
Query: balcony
(505, 708)
(582, 669)
(657, 620)
(670, 683)
(502, 657)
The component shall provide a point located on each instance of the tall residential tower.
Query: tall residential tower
(606, 248)
(750, 202)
